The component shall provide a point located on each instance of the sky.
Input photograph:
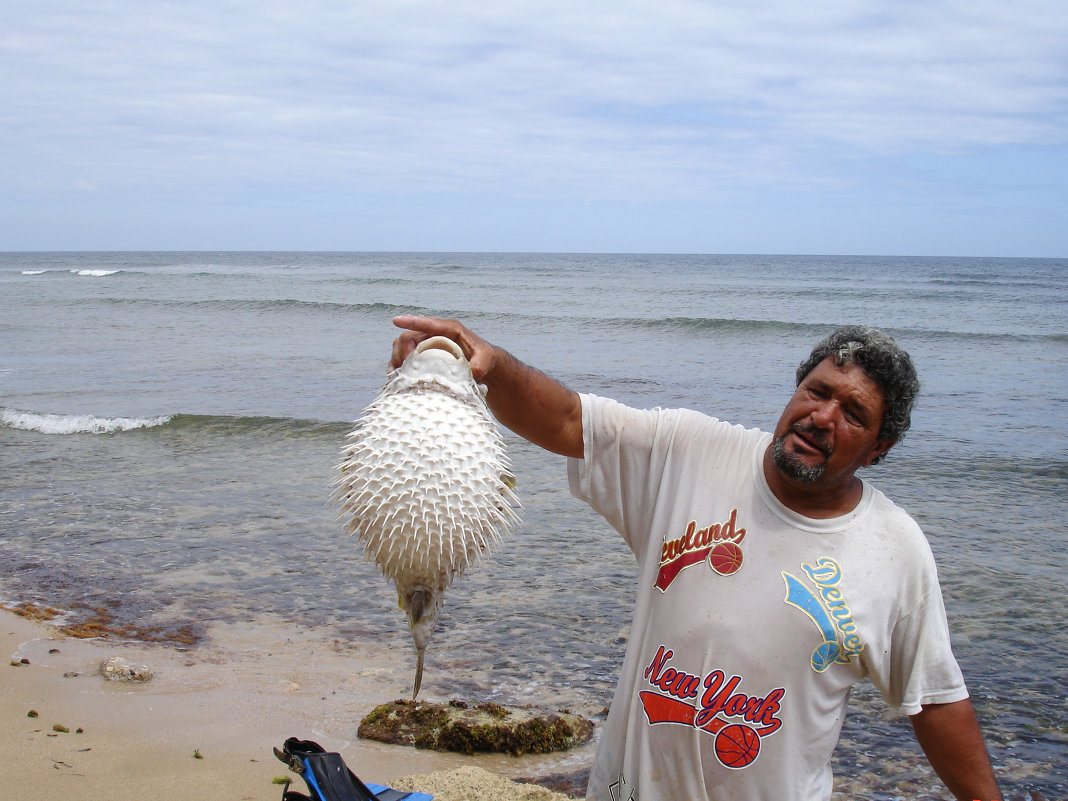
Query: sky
(912, 127)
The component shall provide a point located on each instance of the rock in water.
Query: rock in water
(116, 668)
(425, 482)
(471, 728)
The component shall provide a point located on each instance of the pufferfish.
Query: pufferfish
(425, 482)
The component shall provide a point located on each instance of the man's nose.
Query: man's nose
(823, 415)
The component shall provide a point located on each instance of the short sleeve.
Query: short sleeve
(638, 463)
(920, 668)
(622, 465)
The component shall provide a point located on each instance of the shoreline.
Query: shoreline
(239, 694)
(206, 723)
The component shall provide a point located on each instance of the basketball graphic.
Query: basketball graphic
(825, 655)
(737, 745)
(725, 558)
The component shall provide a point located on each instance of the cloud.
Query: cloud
(673, 100)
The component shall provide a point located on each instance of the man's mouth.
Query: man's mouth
(811, 438)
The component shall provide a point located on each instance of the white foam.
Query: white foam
(94, 273)
(34, 272)
(75, 423)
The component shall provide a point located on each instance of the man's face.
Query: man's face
(830, 427)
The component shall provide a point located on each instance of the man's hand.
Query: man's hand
(480, 354)
(525, 400)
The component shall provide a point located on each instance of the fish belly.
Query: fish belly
(423, 486)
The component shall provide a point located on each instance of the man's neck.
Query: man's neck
(812, 499)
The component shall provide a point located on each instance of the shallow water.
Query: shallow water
(170, 425)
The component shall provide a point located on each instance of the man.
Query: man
(771, 577)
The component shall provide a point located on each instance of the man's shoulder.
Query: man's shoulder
(896, 524)
(676, 419)
(882, 504)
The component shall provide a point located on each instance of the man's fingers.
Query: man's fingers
(481, 362)
(416, 330)
(402, 346)
(431, 326)
(479, 353)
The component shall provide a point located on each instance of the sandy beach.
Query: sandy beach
(204, 726)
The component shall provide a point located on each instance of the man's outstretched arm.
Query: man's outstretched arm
(525, 400)
(950, 737)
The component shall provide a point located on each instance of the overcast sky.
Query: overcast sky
(935, 127)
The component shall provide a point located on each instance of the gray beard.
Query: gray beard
(793, 467)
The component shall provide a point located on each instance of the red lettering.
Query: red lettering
(662, 656)
(735, 704)
(693, 546)
(672, 681)
(720, 699)
(767, 712)
(728, 528)
(716, 697)
(693, 538)
(687, 538)
(664, 682)
(690, 687)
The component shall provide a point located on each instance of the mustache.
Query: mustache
(813, 435)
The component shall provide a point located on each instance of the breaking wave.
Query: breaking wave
(91, 273)
(46, 423)
(275, 427)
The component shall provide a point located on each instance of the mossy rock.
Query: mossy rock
(469, 727)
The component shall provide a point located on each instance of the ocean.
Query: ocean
(170, 424)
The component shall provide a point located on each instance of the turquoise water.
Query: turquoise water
(170, 422)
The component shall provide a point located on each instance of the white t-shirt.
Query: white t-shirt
(752, 621)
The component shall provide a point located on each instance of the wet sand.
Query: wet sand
(204, 726)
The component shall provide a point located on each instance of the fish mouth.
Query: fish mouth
(417, 605)
(441, 343)
(418, 673)
(422, 606)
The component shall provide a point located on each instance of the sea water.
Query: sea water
(170, 424)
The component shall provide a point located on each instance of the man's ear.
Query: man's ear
(879, 450)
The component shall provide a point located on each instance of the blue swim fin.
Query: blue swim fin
(329, 778)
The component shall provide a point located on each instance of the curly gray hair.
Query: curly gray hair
(883, 360)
